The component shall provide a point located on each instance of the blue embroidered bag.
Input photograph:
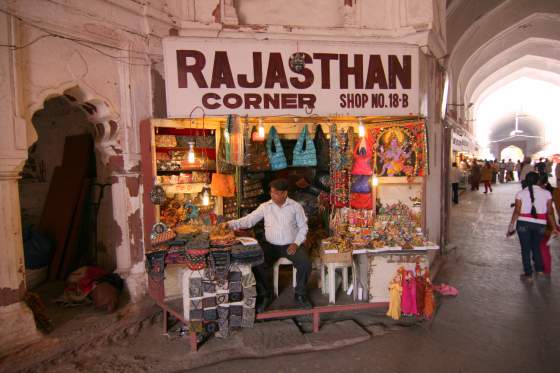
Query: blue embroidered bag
(276, 157)
(304, 151)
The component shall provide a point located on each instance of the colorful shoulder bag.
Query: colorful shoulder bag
(304, 151)
(276, 156)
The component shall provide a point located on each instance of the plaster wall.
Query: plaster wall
(109, 56)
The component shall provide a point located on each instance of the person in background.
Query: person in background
(509, 171)
(532, 212)
(545, 250)
(486, 176)
(541, 166)
(548, 166)
(475, 175)
(518, 166)
(285, 229)
(501, 171)
(557, 174)
(495, 169)
(525, 169)
(455, 176)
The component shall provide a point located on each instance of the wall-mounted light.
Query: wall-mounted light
(261, 129)
(190, 154)
(375, 180)
(361, 128)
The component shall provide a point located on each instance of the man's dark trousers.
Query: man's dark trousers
(271, 254)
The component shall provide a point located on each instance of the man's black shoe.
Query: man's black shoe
(303, 301)
(263, 304)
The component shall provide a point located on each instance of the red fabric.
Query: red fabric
(362, 201)
(539, 216)
(545, 254)
(363, 158)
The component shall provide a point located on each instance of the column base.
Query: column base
(18, 328)
(135, 281)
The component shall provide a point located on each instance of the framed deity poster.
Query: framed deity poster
(399, 149)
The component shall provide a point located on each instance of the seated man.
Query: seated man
(285, 226)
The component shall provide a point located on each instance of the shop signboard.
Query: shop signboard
(280, 77)
(456, 142)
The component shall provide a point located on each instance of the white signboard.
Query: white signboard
(256, 78)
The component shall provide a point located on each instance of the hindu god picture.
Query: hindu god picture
(396, 154)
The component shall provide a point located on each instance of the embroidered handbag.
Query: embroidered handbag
(223, 312)
(195, 287)
(276, 156)
(249, 302)
(323, 151)
(235, 321)
(248, 318)
(360, 184)
(222, 185)
(208, 302)
(155, 265)
(235, 297)
(157, 195)
(221, 298)
(223, 166)
(362, 158)
(363, 201)
(236, 310)
(195, 314)
(210, 314)
(248, 280)
(256, 158)
(195, 304)
(195, 259)
(234, 276)
(235, 286)
(304, 151)
(223, 329)
(208, 287)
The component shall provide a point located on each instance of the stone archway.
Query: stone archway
(512, 152)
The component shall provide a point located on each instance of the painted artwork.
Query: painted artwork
(399, 150)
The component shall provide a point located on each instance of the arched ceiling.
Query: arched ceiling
(495, 43)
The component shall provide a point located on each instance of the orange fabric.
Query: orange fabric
(222, 185)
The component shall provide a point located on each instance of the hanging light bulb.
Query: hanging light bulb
(375, 180)
(261, 129)
(361, 129)
(190, 154)
(205, 198)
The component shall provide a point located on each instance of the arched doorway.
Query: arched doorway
(512, 152)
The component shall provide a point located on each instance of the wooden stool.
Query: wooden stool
(279, 262)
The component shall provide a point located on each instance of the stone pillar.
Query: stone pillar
(17, 326)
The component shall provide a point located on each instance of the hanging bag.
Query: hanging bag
(323, 150)
(304, 151)
(222, 185)
(223, 165)
(256, 158)
(362, 158)
(361, 201)
(360, 184)
(276, 154)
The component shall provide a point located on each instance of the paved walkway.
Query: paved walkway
(496, 324)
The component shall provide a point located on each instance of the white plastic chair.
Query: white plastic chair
(279, 262)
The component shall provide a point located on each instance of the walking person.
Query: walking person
(486, 176)
(475, 176)
(509, 171)
(518, 166)
(501, 171)
(557, 174)
(526, 167)
(455, 176)
(533, 209)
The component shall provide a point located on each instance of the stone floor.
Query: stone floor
(496, 324)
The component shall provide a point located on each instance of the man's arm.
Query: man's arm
(249, 220)
(301, 222)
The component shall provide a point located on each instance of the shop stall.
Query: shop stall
(338, 121)
(366, 218)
